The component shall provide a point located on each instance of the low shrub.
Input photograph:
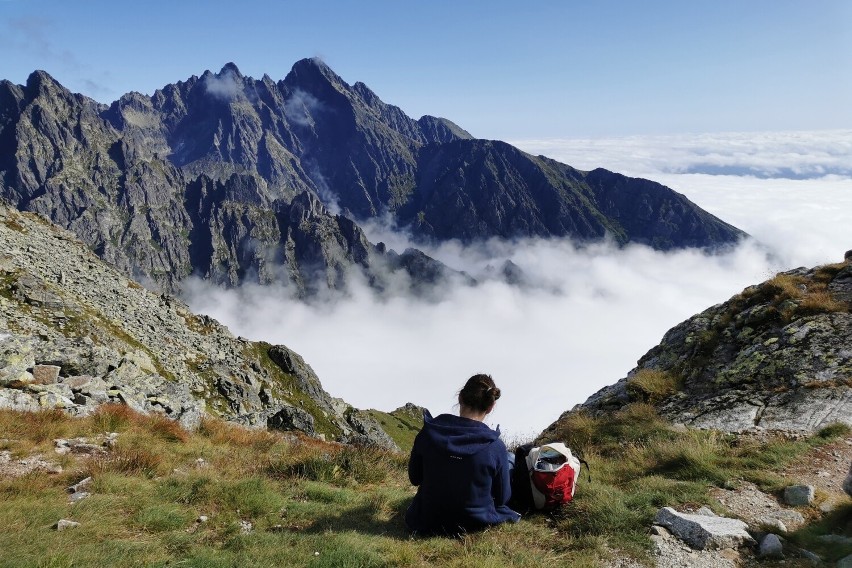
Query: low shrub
(113, 418)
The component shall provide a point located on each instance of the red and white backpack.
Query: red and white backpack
(553, 473)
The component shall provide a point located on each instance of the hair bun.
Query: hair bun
(479, 393)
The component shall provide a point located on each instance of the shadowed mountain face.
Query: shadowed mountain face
(234, 178)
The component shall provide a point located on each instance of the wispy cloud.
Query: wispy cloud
(225, 85)
(300, 107)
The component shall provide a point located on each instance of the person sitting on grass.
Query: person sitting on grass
(461, 468)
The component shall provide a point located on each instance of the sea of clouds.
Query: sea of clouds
(589, 312)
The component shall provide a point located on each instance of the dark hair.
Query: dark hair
(479, 393)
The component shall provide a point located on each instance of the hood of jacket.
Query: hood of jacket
(457, 435)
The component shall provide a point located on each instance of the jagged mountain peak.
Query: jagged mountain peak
(230, 67)
(310, 70)
(40, 82)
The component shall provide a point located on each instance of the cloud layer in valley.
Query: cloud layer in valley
(590, 311)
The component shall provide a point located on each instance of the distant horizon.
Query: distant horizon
(497, 70)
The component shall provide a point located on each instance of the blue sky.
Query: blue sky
(500, 69)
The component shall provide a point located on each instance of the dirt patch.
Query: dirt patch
(825, 468)
(10, 467)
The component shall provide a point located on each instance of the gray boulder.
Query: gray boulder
(65, 524)
(799, 495)
(847, 483)
(771, 547)
(702, 532)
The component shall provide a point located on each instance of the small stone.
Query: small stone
(771, 547)
(201, 463)
(79, 496)
(245, 527)
(53, 468)
(63, 524)
(774, 524)
(201, 519)
(706, 512)
(80, 485)
(810, 557)
(799, 495)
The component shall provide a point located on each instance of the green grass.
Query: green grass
(313, 503)
(402, 425)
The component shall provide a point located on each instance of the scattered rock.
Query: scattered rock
(771, 547)
(79, 496)
(246, 527)
(757, 508)
(64, 524)
(775, 524)
(847, 484)
(15, 468)
(799, 495)
(701, 532)
(671, 552)
(80, 486)
(77, 446)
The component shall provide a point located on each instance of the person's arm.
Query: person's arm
(415, 464)
(501, 487)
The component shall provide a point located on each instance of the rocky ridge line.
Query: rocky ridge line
(202, 178)
(76, 333)
(777, 356)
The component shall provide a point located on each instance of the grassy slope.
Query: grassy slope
(305, 497)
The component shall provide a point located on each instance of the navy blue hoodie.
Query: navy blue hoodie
(462, 469)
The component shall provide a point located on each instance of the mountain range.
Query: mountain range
(235, 179)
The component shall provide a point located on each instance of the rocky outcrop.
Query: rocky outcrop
(777, 356)
(220, 175)
(94, 336)
(847, 483)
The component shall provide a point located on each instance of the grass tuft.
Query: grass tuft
(113, 418)
(130, 461)
(652, 385)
